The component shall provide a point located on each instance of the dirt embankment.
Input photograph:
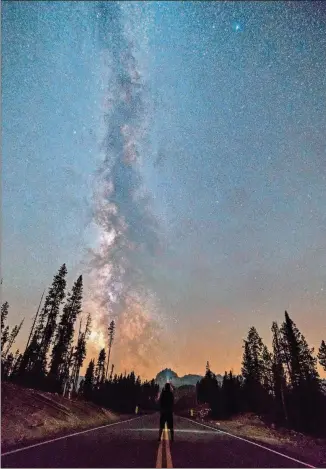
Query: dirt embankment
(28, 415)
(294, 444)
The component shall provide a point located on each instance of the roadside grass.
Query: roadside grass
(29, 416)
(300, 446)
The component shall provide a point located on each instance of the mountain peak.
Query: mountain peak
(168, 375)
(171, 376)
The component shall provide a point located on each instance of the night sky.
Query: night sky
(174, 153)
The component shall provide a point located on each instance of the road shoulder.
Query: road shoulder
(297, 446)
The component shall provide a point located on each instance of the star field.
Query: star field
(204, 124)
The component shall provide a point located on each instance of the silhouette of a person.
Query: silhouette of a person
(166, 409)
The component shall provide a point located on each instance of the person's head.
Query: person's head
(167, 387)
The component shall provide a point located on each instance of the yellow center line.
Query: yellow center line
(164, 441)
(167, 448)
(159, 458)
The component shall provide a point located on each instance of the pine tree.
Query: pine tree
(67, 374)
(16, 365)
(268, 379)
(4, 338)
(9, 365)
(279, 381)
(4, 314)
(34, 322)
(254, 372)
(30, 354)
(100, 367)
(79, 354)
(12, 338)
(322, 354)
(89, 380)
(306, 399)
(6, 366)
(81, 387)
(247, 366)
(29, 358)
(47, 322)
(253, 362)
(111, 330)
(298, 357)
(230, 395)
(64, 336)
(4, 328)
(207, 390)
(111, 373)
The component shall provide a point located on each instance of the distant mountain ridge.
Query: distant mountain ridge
(171, 376)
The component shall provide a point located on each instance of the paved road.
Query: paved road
(134, 443)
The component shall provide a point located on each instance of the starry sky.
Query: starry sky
(174, 154)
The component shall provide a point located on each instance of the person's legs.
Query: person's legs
(162, 423)
(170, 425)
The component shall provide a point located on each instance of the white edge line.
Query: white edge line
(251, 442)
(68, 436)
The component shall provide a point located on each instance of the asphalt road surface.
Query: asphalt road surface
(134, 443)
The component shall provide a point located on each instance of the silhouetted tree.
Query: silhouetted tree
(111, 330)
(46, 327)
(100, 367)
(34, 321)
(122, 393)
(207, 390)
(111, 373)
(89, 380)
(254, 372)
(81, 387)
(28, 360)
(4, 328)
(30, 353)
(12, 337)
(4, 314)
(147, 396)
(62, 347)
(301, 363)
(268, 379)
(79, 354)
(279, 380)
(16, 366)
(322, 354)
(231, 395)
(6, 366)
(305, 393)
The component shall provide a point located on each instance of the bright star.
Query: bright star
(237, 27)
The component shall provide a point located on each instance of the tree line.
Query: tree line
(121, 393)
(55, 353)
(282, 385)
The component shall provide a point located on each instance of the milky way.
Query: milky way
(128, 231)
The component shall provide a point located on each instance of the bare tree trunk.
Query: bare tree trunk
(66, 374)
(111, 374)
(107, 366)
(284, 405)
(34, 322)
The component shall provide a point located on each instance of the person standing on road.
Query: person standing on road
(166, 409)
